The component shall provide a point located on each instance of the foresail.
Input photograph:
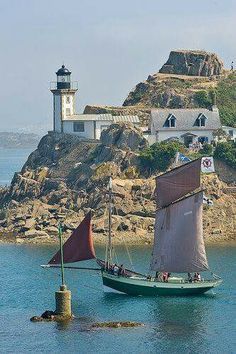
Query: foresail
(177, 183)
(178, 244)
(79, 246)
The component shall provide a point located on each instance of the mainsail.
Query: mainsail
(175, 184)
(178, 244)
(79, 246)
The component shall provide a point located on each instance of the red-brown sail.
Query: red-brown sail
(79, 247)
(175, 184)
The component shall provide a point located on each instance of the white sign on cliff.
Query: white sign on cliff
(207, 165)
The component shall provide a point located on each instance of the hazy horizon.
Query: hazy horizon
(109, 47)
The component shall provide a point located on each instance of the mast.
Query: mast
(109, 257)
(62, 256)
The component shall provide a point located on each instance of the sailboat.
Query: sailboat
(178, 254)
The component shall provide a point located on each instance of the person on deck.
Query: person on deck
(190, 279)
(165, 277)
(197, 277)
(115, 269)
(121, 271)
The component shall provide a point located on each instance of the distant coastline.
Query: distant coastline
(11, 160)
(10, 140)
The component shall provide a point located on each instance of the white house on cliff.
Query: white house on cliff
(187, 125)
(65, 120)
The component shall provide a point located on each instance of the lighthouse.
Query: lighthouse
(63, 91)
(66, 120)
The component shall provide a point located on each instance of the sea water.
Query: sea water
(11, 161)
(196, 324)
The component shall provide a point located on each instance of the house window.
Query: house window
(67, 111)
(231, 132)
(203, 139)
(172, 122)
(79, 127)
(201, 121)
(67, 99)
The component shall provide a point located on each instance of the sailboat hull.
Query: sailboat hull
(138, 286)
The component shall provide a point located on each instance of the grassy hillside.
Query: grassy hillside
(226, 99)
(179, 91)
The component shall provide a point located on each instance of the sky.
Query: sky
(109, 46)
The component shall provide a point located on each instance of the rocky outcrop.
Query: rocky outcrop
(171, 91)
(192, 62)
(63, 188)
(175, 86)
(123, 137)
(65, 185)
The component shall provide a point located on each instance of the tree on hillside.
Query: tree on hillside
(159, 156)
(226, 152)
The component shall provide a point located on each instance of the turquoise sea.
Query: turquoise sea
(11, 160)
(201, 324)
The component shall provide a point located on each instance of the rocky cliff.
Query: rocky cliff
(175, 86)
(193, 62)
(66, 176)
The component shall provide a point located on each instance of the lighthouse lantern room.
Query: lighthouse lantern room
(63, 78)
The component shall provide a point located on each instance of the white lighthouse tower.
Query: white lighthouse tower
(63, 98)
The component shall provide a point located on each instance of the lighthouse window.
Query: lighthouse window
(68, 111)
(67, 99)
(79, 127)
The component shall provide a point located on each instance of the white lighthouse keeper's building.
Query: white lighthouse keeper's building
(65, 120)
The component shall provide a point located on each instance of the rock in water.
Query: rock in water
(126, 324)
(192, 62)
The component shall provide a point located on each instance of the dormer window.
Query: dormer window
(201, 121)
(170, 122)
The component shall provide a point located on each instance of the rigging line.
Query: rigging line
(115, 256)
(127, 250)
(129, 255)
(69, 267)
(106, 249)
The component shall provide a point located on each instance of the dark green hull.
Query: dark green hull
(142, 287)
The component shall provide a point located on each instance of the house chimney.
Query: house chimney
(214, 106)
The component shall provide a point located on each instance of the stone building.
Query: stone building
(65, 120)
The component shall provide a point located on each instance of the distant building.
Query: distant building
(186, 125)
(65, 120)
(230, 131)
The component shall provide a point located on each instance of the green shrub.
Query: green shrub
(159, 156)
(3, 214)
(207, 149)
(203, 99)
(226, 152)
